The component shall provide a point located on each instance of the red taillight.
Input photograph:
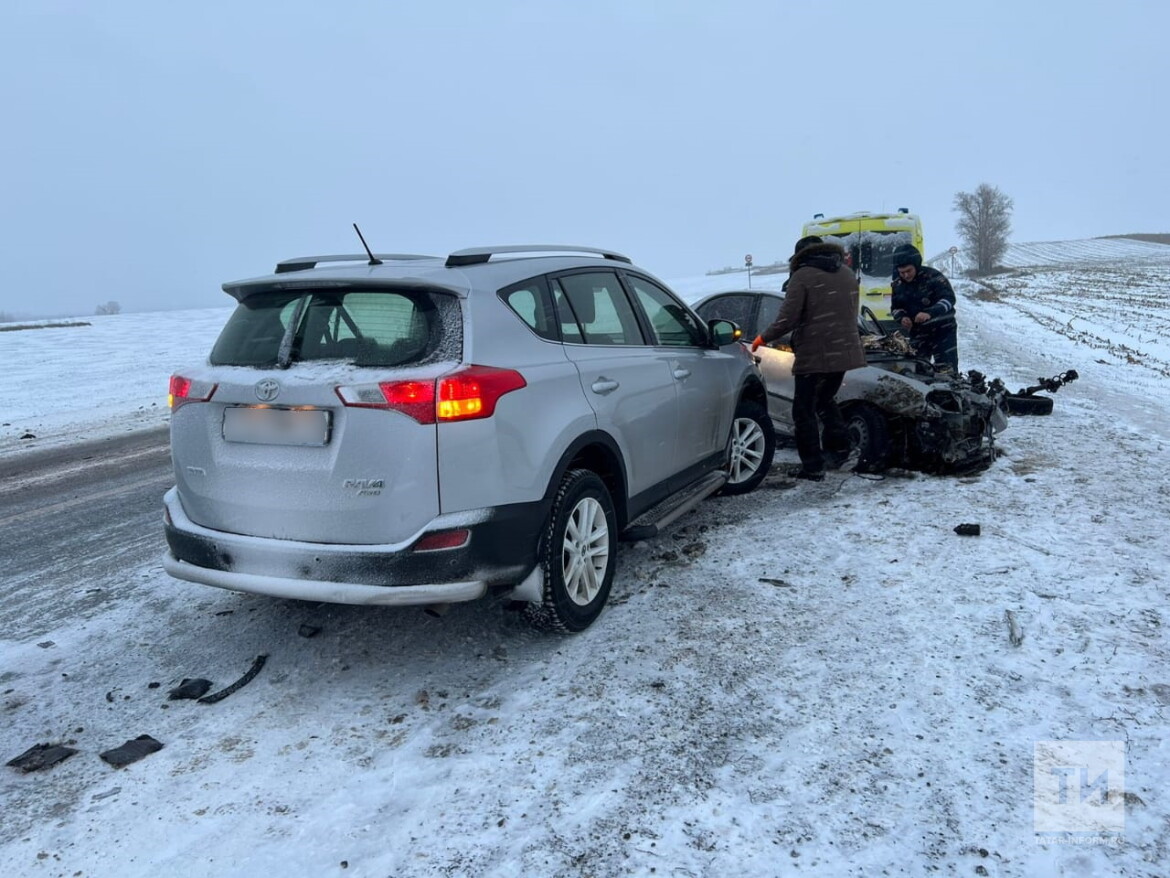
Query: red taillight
(474, 392)
(184, 390)
(413, 398)
(462, 396)
(444, 539)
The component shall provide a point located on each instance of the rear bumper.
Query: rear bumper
(501, 551)
(327, 592)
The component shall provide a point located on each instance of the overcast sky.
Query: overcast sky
(154, 150)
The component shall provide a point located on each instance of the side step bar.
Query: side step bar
(654, 520)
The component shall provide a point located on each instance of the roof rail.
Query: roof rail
(478, 255)
(304, 263)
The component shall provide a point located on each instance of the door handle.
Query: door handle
(604, 386)
(680, 373)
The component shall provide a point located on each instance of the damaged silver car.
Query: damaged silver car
(900, 410)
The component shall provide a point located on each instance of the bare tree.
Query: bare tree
(110, 307)
(985, 221)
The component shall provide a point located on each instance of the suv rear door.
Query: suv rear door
(628, 383)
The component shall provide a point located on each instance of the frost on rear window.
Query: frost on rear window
(872, 252)
(365, 328)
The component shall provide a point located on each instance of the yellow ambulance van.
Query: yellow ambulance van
(870, 240)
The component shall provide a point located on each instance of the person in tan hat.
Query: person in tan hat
(820, 309)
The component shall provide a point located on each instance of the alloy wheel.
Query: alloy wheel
(585, 552)
(748, 446)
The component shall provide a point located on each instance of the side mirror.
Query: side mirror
(723, 332)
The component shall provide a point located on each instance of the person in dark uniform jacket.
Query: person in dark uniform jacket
(820, 310)
(922, 301)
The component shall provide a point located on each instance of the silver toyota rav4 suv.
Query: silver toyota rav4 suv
(413, 430)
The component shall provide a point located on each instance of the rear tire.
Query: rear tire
(578, 555)
(1027, 404)
(869, 433)
(750, 448)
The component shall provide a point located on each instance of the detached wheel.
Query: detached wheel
(578, 555)
(1017, 404)
(750, 448)
(869, 433)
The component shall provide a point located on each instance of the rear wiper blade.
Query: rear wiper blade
(284, 354)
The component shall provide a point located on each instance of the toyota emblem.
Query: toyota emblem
(267, 390)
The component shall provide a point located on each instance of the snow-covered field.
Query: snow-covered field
(815, 679)
(65, 383)
(1086, 252)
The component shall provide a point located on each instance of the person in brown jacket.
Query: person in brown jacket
(820, 309)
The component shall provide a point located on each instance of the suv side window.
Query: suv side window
(531, 303)
(670, 322)
(592, 308)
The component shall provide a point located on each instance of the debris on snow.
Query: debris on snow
(41, 756)
(131, 751)
(195, 688)
(1015, 633)
(779, 582)
(239, 684)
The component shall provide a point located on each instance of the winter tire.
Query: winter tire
(578, 555)
(869, 433)
(750, 448)
(1027, 404)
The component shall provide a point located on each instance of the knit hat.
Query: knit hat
(907, 254)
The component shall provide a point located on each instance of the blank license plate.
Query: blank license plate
(271, 426)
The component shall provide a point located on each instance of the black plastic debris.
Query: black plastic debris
(779, 582)
(41, 756)
(967, 530)
(309, 630)
(131, 751)
(196, 688)
(239, 684)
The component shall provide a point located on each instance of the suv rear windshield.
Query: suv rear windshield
(365, 328)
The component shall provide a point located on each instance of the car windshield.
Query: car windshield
(365, 328)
